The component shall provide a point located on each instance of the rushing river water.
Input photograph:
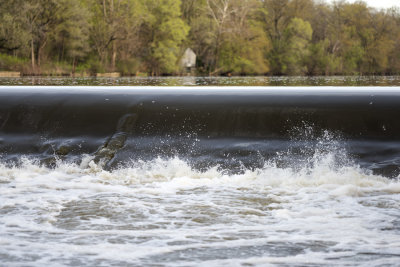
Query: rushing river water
(199, 176)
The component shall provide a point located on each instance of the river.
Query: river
(200, 175)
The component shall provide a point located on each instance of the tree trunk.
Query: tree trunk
(73, 66)
(216, 57)
(114, 45)
(104, 9)
(40, 50)
(33, 55)
(114, 55)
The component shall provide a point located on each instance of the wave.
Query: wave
(323, 169)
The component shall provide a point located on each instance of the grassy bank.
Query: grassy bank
(92, 67)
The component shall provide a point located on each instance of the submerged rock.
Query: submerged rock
(106, 153)
(63, 150)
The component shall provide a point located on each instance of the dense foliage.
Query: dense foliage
(279, 37)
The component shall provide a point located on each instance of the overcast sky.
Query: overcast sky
(378, 3)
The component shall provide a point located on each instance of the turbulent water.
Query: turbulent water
(199, 177)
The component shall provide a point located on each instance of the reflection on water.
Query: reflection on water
(210, 81)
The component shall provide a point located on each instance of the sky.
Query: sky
(378, 3)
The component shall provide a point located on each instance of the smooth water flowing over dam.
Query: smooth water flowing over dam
(188, 176)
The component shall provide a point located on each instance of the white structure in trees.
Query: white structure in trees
(188, 60)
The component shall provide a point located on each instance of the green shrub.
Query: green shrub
(11, 63)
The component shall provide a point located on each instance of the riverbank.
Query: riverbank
(205, 81)
(10, 65)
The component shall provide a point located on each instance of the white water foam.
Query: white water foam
(164, 213)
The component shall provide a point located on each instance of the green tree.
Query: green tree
(297, 38)
(201, 37)
(13, 33)
(232, 37)
(394, 55)
(69, 40)
(278, 37)
(276, 19)
(244, 44)
(42, 16)
(114, 25)
(166, 31)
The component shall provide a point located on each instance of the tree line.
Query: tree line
(235, 37)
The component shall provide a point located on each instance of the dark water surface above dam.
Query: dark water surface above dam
(188, 176)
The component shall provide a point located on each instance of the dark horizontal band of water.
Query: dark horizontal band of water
(230, 111)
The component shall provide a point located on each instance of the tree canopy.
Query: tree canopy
(237, 37)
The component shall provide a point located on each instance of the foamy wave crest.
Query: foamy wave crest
(321, 171)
